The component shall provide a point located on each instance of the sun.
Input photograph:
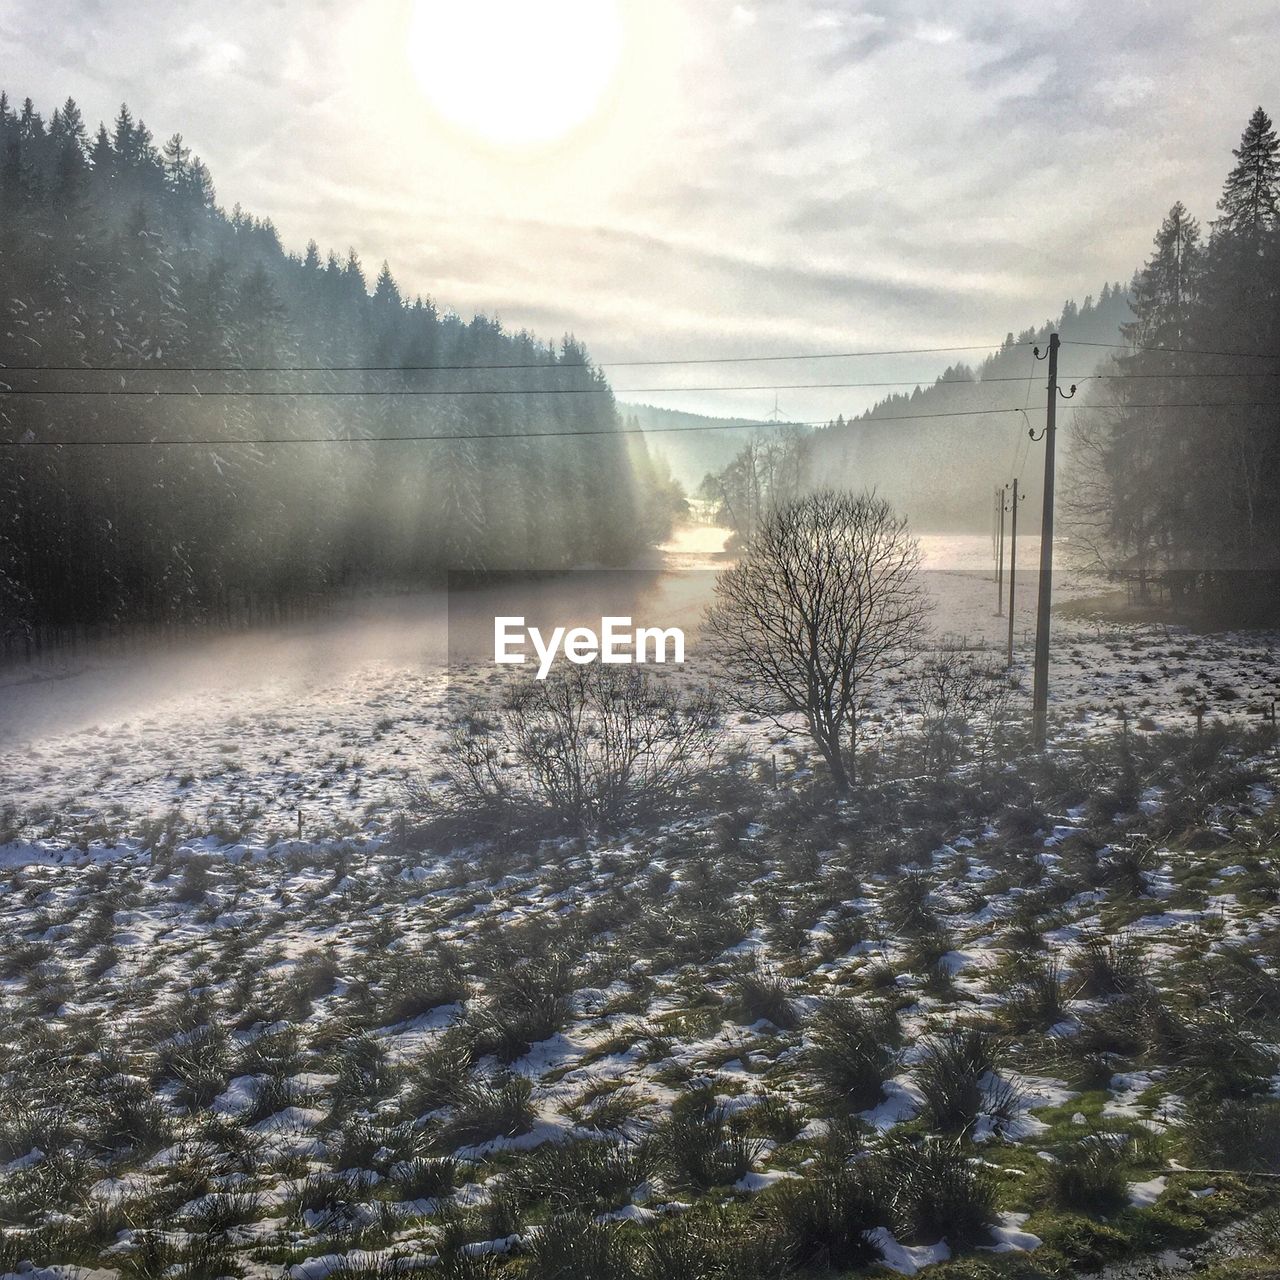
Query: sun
(515, 73)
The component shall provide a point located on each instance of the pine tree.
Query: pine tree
(175, 159)
(386, 292)
(1163, 290)
(115, 253)
(122, 133)
(30, 125)
(1252, 190)
(102, 154)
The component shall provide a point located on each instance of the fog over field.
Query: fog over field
(639, 640)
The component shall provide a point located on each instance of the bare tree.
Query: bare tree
(823, 602)
(768, 471)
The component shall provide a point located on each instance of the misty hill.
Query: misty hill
(942, 471)
(686, 440)
(121, 274)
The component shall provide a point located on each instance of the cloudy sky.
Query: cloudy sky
(694, 177)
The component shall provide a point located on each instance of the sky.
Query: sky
(694, 178)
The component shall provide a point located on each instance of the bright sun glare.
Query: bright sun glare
(515, 72)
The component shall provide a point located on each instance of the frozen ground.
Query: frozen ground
(357, 1058)
(1008, 1013)
(240, 733)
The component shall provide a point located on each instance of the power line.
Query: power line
(469, 435)
(594, 431)
(197, 393)
(609, 364)
(1021, 442)
(541, 364)
(412, 392)
(1184, 351)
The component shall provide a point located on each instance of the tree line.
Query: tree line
(1171, 475)
(115, 255)
(940, 471)
(1184, 500)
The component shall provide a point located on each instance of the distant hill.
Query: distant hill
(690, 451)
(942, 470)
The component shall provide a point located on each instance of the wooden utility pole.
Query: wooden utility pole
(1000, 552)
(1013, 568)
(1040, 693)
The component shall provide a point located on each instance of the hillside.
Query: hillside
(942, 471)
(686, 440)
(165, 358)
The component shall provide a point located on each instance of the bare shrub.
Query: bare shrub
(963, 699)
(589, 748)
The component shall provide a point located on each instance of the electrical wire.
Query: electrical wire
(198, 393)
(601, 431)
(542, 364)
(1185, 351)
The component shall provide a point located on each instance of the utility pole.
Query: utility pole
(1000, 553)
(1040, 693)
(1013, 569)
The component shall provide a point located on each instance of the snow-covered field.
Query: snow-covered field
(1012, 1014)
(237, 734)
(740, 1046)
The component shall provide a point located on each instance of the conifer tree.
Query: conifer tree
(1250, 203)
(115, 253)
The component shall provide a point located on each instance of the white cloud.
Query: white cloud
(799, 175)
(935, 33)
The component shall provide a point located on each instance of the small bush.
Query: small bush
(763, 994)
(610, 1111)
(853, 1051)
(1234, 1134)
(509, 1029)
(413, 984)
(424, 1179)
(933, 1189)
(591, 747)
(366, 1144)
(1107, 966)
(575, 1246)
(1260, 1236)
(1088, 1173)
(907, 903)
(1220, 1060)
(702, 1145)
(1038, 1000)
(777, 1119)
(488, 1109)
(584, 1176)
(824, 1222)
(709, 1243)
(436, 1078)
(956, 1074)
